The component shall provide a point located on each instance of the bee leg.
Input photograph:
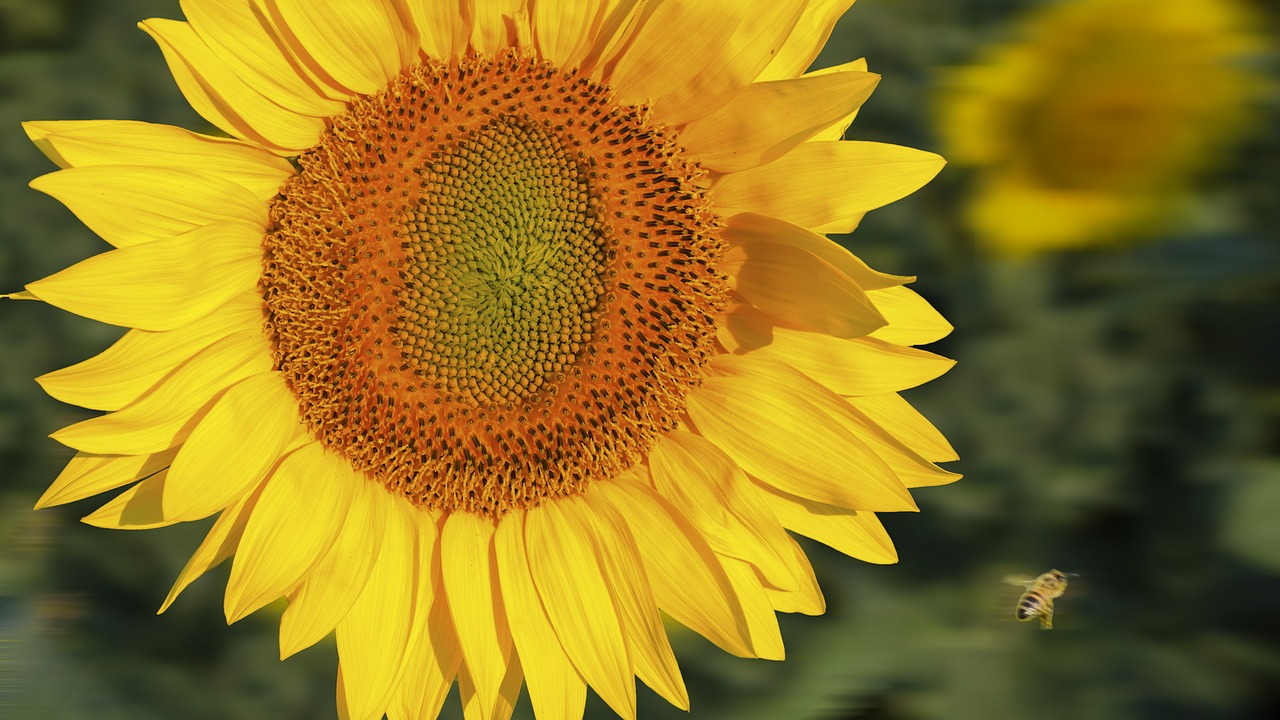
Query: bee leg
(1046, 617)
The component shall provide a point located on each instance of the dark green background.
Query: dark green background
(1117, 413)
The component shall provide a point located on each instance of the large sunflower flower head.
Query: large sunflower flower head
(1089, 126)
(494, 328)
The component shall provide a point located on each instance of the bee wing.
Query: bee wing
(1018, 580)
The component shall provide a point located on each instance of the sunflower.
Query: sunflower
(1090, 125)
(495, 328)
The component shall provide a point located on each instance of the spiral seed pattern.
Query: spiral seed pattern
(505, 265)
(491, 284)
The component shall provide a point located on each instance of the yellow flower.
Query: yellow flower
(1088, 126)
(489, 333)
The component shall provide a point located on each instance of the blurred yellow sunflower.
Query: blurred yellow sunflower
(494, 329)
(1090, 124)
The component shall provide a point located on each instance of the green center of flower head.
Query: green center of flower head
(490, 284)
(505, 264)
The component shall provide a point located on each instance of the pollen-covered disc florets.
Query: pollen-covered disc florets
(491, 284)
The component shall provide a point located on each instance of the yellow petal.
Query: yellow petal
(800, 288)
(238, 33)
(687, 580)
(912, 320)
(233, 448)
(651, 653)
(474, 709)
(373, 636)
(163, 417)
(470, 584)
(716, 496)
(163, 284)
(856, 533)
(301, 61)
(762, 623)
(618, 23)
(865, 366)
(224, 99)
(806, 39)
(138, 508)
(906, 468)
(555, 687)
(443, 31)
(807, 599)
(840, 226)
(362, 44)
(822, 182)
(294, 524)
(139, 360)
(344, 713)
(509, 695)
(132, 204)
(87, 475)
(747, 228)
(780, 434)
(333, 585)
(896, 416)
(433, 656)
(562, 559)
(837, 129)
(39, 131)
(432, 670)
(414, 678)
(1016, 215)
(862, 366)
(84, 143)
(767, 120)
(499, 24)
(912, 469)
(563, 30)
(690, 57)
(218, 545)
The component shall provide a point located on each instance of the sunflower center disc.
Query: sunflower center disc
(505, 268)
(490, 284)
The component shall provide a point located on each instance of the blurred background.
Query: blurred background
(1105, 242)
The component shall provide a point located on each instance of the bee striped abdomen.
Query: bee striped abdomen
(1029, 606)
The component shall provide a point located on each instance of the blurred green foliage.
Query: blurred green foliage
(1117, 413)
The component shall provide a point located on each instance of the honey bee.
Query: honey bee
(1037, 601)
